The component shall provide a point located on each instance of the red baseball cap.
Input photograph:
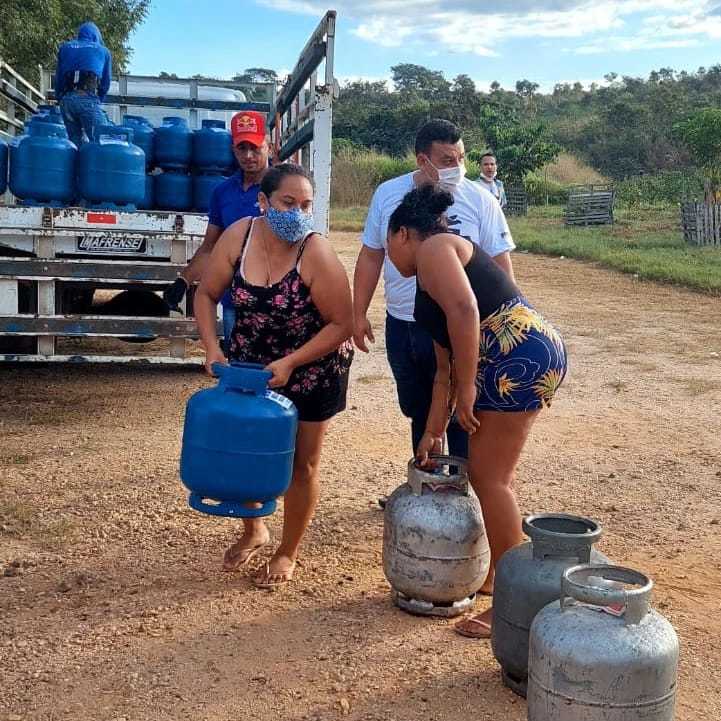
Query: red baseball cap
(248, 126)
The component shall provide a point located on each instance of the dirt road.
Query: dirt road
(112, 605)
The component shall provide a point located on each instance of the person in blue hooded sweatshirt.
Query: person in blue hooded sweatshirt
(82, 81)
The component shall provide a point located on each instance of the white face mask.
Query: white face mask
(450, 178)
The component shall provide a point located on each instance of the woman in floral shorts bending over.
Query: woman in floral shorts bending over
(293, 315)
(506, 360)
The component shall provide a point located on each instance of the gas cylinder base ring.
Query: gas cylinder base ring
(426, 608)
(517, 685)
(229, 509)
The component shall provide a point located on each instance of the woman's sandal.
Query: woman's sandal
(235, 559)
(465, 628)
(262, 579)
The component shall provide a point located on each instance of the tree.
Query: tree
(31, 30)
(525, 88)
(257, 75)
(410, 78)
(701, 133)
(519, 147)
(256, 81)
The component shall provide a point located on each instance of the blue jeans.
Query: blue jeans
(413, 363)
(82, 115)
(228, 325)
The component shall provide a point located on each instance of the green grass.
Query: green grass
(646, 242)
(347, 219)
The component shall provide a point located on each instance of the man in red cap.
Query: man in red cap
(233, 199)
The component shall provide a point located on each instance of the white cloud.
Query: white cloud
(630, 44)
(376, 31)
(469, 26)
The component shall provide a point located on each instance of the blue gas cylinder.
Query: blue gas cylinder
(49, 114)
(111, 170)
(212, 147)
(173, 143)
(238, 444)
(143, 136)
(3, 166)
(42, 166)
(203, 187)
(173, 191)
(148, 201)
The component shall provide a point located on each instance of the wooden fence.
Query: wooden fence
(701, 223)
(516, 201)
(590, 205)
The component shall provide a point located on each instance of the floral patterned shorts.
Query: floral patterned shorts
(522, 360)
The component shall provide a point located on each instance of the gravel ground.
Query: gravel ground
(113, 607)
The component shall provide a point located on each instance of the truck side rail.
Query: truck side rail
(302, 120)
(18, 97)
(190, 101)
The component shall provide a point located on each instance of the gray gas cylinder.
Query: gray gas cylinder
(528, 577)
(435, 551)
(601, 653)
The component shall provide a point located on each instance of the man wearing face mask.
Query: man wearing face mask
(489, 180)
(475, 215)
(233, 199)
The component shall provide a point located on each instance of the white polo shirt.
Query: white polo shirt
(475, 215)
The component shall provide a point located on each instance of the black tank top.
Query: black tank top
(490, 284)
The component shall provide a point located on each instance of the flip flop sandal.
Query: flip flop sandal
(484, 629)
(234, 561)
(286, 577)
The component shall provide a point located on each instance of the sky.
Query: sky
(545, 41)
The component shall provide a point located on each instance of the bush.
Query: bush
(358, 172)
(540, 190)
(669, 187)
(567, 170)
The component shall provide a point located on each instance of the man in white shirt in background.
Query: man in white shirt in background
(489, 181)
(475, 215)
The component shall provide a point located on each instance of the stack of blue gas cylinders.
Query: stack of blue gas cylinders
(131, 166)
(144, 138)
(212, 160)
(193, 163)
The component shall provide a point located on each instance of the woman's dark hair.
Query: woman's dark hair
(274, 177)
(423, 210)
(436, 131)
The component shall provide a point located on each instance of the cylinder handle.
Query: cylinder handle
(561, 535)
(635, 602)
(243, 377)
(439, 475)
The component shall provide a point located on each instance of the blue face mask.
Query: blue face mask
(290, 225)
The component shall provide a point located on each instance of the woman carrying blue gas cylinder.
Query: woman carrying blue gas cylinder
(503, 361)
(294, 316)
